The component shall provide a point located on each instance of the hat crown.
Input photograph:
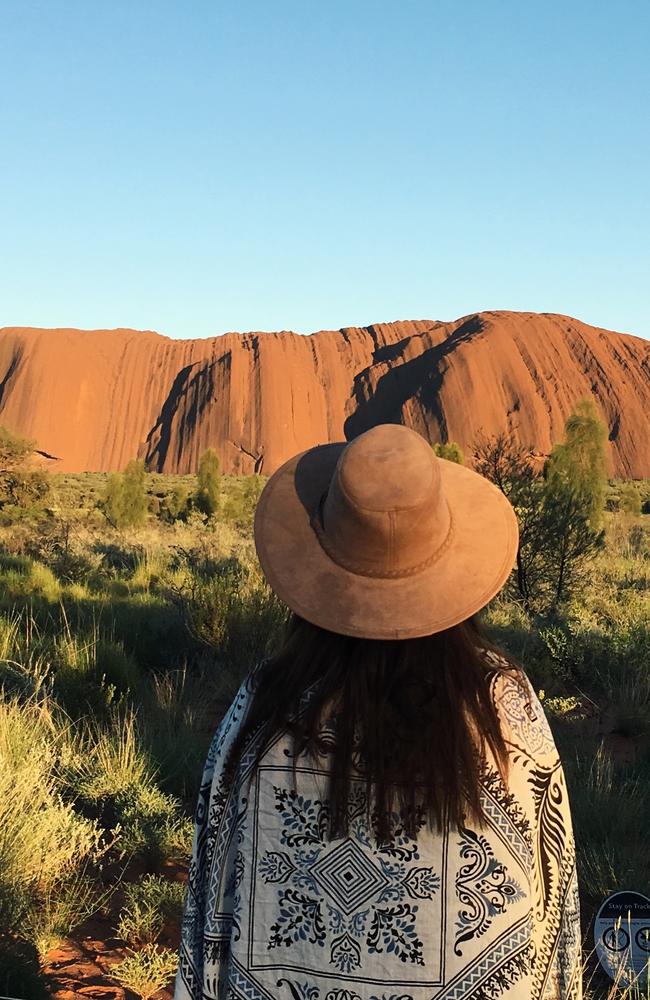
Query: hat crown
(388, 468)
(379, 538)
(385, 513)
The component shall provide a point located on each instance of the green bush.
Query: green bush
(153, 826)
(240, 500)
(146, 971)
(92, 672)
(208, 490)
(176, 505)
(451, 451)
(46, 846)
(23, 490)
(176, 716)
(228, 608)
(112, 778)
(148, 905)
(578, 465)
(630, 499)
(63, 906)
(125, 498)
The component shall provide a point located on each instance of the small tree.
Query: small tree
(451, 451)
(572, 539)
(579, 463)
(21, 487)
(125, 498)
(14, 450)
(508, 464)
(208, 482)
(176, 505)
(576, 488)
(113, 501)
(630, 501)
(251, 492)
(135, 493)
(555, 536)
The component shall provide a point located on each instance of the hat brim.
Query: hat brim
(473, 568)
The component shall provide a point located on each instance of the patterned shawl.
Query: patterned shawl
(275, 910)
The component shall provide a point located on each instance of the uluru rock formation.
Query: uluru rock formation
(93, 399)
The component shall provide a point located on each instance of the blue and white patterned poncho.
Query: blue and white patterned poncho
(275, 910)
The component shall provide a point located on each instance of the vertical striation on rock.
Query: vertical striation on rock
(95, 399)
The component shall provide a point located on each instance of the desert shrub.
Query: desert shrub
(57, 544)
(105, 761)
(240, 500)
(31, 580)
(41, 837)
(42, 582)
(176, 717)
(147, 971)
(578, 465)
(557, 513)
(112, 777)
(573, 540)
(99, 640)
(175, 506)
(11, 563)
(114, 665)
(564, 706)
(14, 449)
(125, 498)
(148, 571)
(46, 846)
(208, 488)
(148, 905)
(24, 665)
(630, 499)
(118, 558)
(227, 608)
(559, 645)
(23, 489)
(91, 672)
(63, 906)
(151, 630)
(72, 566)
(20, 682)
(118, 589)
(153, 826)
(451, 451)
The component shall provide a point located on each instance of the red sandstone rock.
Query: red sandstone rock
(95, 399)
(102, 992)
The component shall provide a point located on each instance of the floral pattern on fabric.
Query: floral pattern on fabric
(275, 911)
(483, 886)
(348, 895)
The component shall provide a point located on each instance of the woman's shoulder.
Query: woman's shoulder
(518, 707)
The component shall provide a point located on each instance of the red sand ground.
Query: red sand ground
(95, 399)
(79, 968)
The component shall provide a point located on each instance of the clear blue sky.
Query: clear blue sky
(197, 167)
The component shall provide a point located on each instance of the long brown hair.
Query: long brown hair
(406, 716)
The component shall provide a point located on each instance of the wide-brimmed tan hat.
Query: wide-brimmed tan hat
(380, 538)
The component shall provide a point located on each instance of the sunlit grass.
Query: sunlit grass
(117, 660)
